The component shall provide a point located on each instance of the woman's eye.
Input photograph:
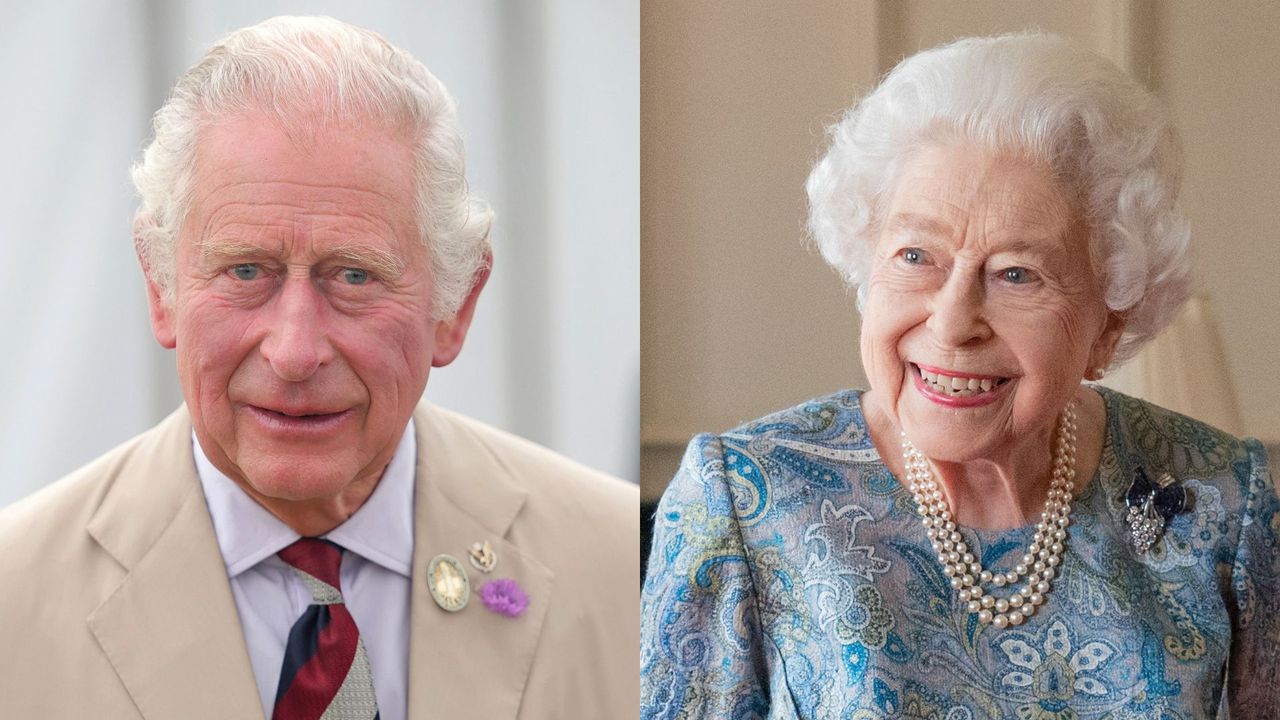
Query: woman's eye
(913, 256)
(355, 276)
(246, 271)
(1016, 275)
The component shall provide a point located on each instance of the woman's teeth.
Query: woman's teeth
(958, 386)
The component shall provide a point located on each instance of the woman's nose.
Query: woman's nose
(956, 312)
(297, 340)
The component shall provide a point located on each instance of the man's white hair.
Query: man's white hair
(1106, 138)
(309, 71)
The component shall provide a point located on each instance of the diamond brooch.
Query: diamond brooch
(1152, 505)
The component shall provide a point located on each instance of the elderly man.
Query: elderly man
(304, 538)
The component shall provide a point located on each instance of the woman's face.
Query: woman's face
(981, 280)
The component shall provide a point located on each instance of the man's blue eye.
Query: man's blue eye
(913, 256)
(246, 271)
(1017, 275)
(355, 276)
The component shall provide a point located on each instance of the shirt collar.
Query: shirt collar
(380, 531)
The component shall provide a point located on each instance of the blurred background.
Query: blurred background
(739, 318)
(549, 105)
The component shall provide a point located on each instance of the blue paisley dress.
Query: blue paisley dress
(790, 577)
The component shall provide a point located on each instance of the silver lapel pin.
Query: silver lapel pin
(483, 558)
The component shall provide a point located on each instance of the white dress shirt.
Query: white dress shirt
(375, 574)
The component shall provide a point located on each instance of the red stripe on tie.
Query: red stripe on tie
(318, 681)
(315, 557)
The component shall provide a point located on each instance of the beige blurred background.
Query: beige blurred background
(740, 318)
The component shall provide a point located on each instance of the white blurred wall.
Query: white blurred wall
(548, 95)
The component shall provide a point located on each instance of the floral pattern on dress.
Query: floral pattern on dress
(791, 577)
(1053, 666)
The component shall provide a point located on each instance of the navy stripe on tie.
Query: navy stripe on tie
(302, 644)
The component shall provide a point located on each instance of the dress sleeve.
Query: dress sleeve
(1253, 671)
(701, 653)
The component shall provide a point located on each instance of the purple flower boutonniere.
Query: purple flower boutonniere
(504, 596)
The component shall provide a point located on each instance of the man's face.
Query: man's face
(302, 318)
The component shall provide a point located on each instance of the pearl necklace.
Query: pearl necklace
(1038, 565)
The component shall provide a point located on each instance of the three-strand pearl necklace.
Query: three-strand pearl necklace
(1038, 565)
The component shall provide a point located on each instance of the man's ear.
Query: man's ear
(163, 324)
(1105, 346)
(451, 333)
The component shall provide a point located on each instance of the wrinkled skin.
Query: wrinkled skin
(302, 318)
(982, 267)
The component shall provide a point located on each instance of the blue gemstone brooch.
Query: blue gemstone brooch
(1151, 506)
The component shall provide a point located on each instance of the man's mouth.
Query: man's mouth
(953, 383)
(292, 421)
(301, 414)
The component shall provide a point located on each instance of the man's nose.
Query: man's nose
(297, 342)
(956, 310)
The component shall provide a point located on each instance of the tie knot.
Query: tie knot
(317, 562)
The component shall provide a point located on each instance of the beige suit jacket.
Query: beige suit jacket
(114, 601)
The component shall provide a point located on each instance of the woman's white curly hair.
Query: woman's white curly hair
(301, 71)
(1105, 136)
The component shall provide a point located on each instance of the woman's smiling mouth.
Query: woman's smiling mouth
(954, 388)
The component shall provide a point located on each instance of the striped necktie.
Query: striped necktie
(326, 671)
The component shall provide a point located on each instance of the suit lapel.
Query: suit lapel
(472, 663)
(170, 629)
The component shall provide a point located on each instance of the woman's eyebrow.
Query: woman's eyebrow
(912, 222)
(1024, 246)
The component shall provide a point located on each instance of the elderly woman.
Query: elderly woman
(979, 535)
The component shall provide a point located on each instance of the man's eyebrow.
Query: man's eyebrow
(228, 248)
(382, 262)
